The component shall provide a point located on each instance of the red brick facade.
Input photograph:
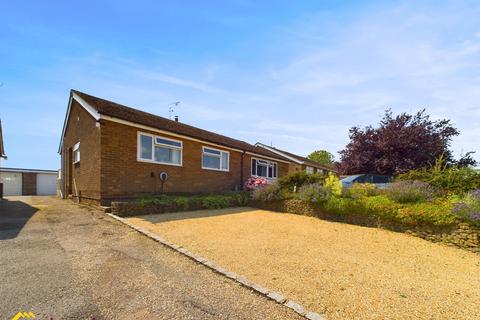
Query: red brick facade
(109, 168)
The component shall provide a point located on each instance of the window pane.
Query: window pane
(211, 151)
(270, 172)
(225, 160)
(167, 155)
(261, 171)
(176, 156)
(254, 167)
(145, 147)
(168, 142)
(211, 162)
(274, 170)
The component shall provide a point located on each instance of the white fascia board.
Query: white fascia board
(87, 108)
(258, 144)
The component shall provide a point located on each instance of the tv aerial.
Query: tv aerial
(171, 107)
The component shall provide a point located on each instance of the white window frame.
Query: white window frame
(309, 170)
(269, 163)
(76, 150)
(152, 159)
(218, 156)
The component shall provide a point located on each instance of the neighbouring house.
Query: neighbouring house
(299, 163)
(28, 182)
(110, 151)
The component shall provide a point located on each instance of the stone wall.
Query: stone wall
(461, 235)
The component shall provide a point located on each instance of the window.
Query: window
(214, 159)
(309, 170)
(76, 152)
(159, 149)
(264, 168)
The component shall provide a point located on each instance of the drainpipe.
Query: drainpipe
(241, 169)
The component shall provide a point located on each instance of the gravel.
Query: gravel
(341, 270)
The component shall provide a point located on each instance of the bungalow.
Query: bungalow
(299, 163)
(110, 151)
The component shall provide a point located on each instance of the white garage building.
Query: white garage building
(17, 182)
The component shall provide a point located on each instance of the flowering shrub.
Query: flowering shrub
(469, 208)
(315, 192)
(410, 191)
(254, 183)
(270, 192)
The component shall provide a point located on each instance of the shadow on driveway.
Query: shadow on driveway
(185, 215)
(14, 215)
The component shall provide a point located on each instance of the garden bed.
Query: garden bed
(461, 235)
(168, 203)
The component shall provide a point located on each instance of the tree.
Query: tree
(321, 156)
(400, 143)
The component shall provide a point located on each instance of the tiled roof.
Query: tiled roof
(112, 109)
(303, 159)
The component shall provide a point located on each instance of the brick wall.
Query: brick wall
(85, 175)
(29, 183)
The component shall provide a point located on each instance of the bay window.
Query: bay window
(159, 149)
(214, 159)
(264, 168)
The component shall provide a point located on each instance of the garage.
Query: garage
(46, 184)
(12, 183)
(28, 182)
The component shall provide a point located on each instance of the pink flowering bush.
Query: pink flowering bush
(254, 183)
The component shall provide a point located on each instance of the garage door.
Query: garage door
(46, 184)
(12, 183)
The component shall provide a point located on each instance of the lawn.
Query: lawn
(342, 270)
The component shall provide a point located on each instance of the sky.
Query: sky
(292, 74)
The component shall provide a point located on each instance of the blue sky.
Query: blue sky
(295, 74)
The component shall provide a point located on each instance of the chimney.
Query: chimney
(176, 118)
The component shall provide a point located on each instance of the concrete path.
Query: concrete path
(62, 261)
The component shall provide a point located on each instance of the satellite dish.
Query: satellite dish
(163, 176)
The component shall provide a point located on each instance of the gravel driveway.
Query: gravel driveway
(62, 261)
(341, 270)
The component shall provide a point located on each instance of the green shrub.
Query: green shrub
(315, 192)
(359, 190)
(215, 202)
(182, 203)
(453, 180)
(379, 206)
(410, 191)
(160, 200)
(298, 179)
(438, 212)
(239, 198)
(340, 206)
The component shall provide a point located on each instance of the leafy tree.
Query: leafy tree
(466, 160)
(321, 156)
(400, 143)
